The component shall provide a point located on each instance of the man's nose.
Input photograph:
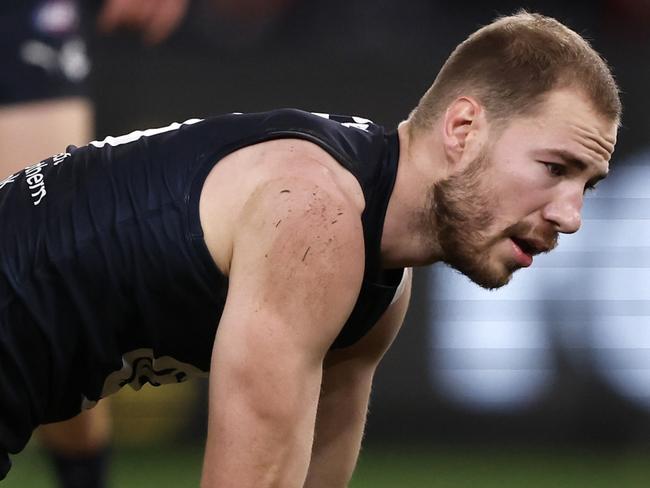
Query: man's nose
(565, 213)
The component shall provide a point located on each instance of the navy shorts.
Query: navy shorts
(42, 51)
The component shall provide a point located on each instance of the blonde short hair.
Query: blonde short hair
(510, 64)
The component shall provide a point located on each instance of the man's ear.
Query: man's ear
(463, 118)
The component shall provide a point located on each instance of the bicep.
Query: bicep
(297, 260)
(293, 280)
(294, 277)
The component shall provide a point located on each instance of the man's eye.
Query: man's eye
(555, 169)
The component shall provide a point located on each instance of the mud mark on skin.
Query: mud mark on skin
(306, 252)
(278, 223)
(333, 221)
(285, 191)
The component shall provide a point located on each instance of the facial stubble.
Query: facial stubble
(461, 213)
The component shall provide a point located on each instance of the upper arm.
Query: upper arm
(295, 273)
(297, 261)
(370, 349)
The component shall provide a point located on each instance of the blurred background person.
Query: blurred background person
(43, 92)
(44, 107)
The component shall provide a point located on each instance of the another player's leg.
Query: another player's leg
(31, 131)
(79, 448)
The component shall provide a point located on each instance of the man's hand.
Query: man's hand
(157, 19)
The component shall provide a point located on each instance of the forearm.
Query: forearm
(339, 431)
(290, 291)
(265, 453)
(261, 428)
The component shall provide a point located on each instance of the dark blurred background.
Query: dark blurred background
(562, 357)
(375, 58)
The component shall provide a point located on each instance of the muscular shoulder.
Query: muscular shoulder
(298, 254)
(291, 182)
(302, 216)
(302, 159)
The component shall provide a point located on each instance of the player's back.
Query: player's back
(105, 277)
(94, 255)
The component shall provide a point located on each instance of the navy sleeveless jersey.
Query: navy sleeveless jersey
(105, 279)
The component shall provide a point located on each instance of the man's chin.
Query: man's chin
(489, 279)
(487, 271)
(493, 284)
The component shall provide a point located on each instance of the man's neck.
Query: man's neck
(406, 238)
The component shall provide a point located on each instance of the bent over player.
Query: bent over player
(273, 249)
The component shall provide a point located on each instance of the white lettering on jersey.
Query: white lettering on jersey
(135, 135)
(59, 158)
(361, 120)
(8, 179)
(356, 125)
(140, 367)
(34, 178)
(357, 122)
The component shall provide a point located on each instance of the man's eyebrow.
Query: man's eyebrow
(571, 159)
(568, 158)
